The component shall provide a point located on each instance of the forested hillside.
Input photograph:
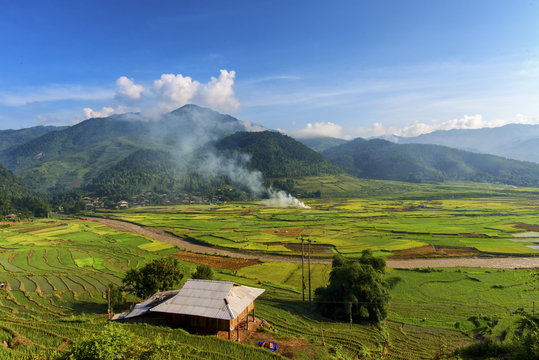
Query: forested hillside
(17, 199)
(144, 170)
(380, 159)
(9, 138)
(277, 155)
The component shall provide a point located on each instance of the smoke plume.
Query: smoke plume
(282, 199)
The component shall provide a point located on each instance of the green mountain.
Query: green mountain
(65, 159)
(320, 144)
(277, 155)
(514, 141)
(9, 138)
(16, 198)
(381, 159)
(142, 171)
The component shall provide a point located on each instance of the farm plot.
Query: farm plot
(55, 295)
(440, 216)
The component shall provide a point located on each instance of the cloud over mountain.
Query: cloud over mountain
(170, 92)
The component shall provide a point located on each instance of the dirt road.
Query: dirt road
(160, 235)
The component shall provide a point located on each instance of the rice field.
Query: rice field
(487, 221)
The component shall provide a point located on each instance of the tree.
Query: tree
(203, 272)
(361, 284)
(159, 275)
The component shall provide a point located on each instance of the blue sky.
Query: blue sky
(340, 68)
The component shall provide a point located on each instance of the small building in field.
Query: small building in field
(201, 306)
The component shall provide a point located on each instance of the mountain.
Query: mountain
(514, 141)
(61, 160)
(16, 198)
(9, 138)
(277, 155)
(381, 159)
(142, 171)
(320, 144)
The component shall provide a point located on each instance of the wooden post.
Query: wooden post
(109, 312)
(323, 341)
(229, 331)
(247, 319)
(350, 310)
(238, 330)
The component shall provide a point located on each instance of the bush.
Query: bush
(203, 272)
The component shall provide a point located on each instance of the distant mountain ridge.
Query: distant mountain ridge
(9, 138)
(127, 155)
(513, 141)
(320, 144)
(381, 159)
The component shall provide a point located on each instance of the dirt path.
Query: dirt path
(160, 235)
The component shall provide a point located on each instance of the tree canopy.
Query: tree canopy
(203, 272)
(361, 284)
(159, 275)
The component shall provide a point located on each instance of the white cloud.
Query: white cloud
(318, 129)
(418, 128)
(127, 89)
(173, 91)
(219, 94)
(104, 112)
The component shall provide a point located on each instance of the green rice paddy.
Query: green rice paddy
(486, 221)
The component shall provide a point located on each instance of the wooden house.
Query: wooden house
(201, 306)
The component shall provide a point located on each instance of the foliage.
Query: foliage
(16, 198)
(113, 343)
(524, 346)
(159, 275)
(203, 272)
(277, 155)
(144, 170)
(527, 342)
(359, 286)
(381, 159)
(117, 298)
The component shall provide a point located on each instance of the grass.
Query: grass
(58, 269)
(441, 215)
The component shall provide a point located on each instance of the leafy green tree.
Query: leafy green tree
(361, 284)
(203, 272)
(159, 275)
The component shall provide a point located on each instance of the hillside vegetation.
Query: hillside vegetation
(277, 155)
(15, 198)
(381, 159)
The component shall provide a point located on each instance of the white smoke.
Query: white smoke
(283, 199)
(235, 168)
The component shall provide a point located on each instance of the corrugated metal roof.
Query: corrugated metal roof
(212, 299)
(144, 307)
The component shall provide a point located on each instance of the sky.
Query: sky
(344, 69)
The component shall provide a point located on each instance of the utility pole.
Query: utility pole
(309, 260)
(302, 272)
